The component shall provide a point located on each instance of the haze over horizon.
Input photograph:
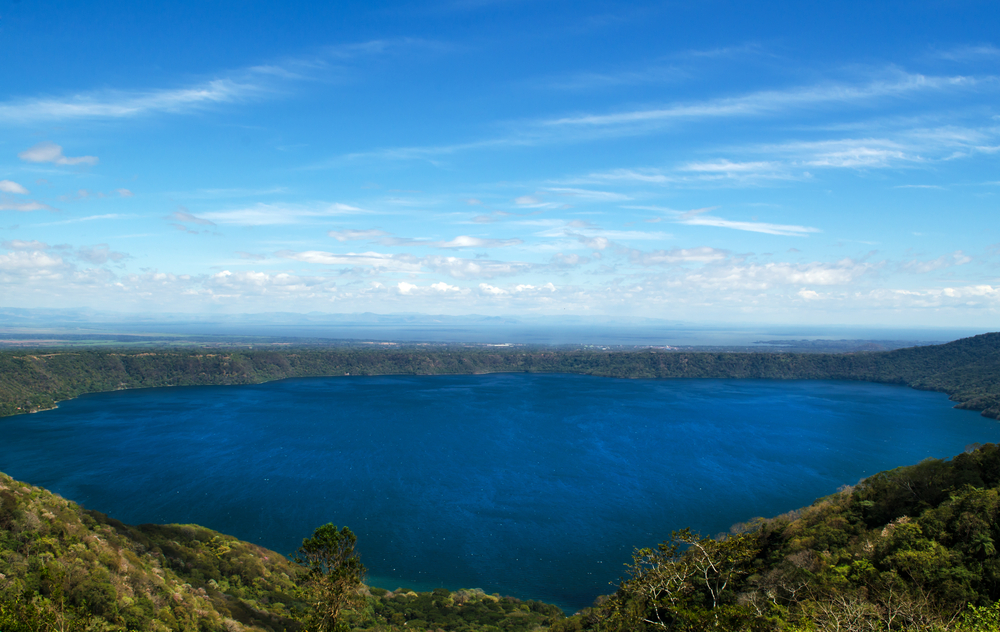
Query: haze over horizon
(714, 161)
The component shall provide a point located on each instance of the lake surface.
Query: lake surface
(537, 486)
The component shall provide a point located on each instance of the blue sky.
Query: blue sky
(711, 161)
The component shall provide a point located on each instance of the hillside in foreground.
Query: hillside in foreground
(913, 548)
(66, 568)
(968, 370)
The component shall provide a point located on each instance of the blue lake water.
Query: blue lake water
(537, 486)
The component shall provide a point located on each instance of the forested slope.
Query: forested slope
(912, 549)
(968, 370)
(66, 569)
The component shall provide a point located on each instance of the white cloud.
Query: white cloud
(88, 218)
(594, 243)
(462, 241)
(181, 215)
(698, 217)
(764, 276)
(28, 261)
(279, 214)
(771, 101)
(587, 194)
(956, 258)
(375, 260)
(100, 254)
(473, 268)
(7, 186)
(569, 261)
(968, 296)
(522, 288)
(703, 254)
(234, 287)
(643, 176)
(237, 86)
(444, 287)
(726, 166)
(18, 244)
(50, 152)
(966, 53)
(124, 104)
(355, 235)
(125, 193)
(7, 204)
(405, 288)
(491, 290)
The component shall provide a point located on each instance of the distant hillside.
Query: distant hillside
(968, 370)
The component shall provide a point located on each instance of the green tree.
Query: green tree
(335, 579)
(686, 584)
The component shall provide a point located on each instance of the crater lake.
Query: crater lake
(531, 485)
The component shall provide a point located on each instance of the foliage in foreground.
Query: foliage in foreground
(68, 569)
(910, 549)
(334, 579)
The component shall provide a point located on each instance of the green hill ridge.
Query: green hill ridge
(968, 370)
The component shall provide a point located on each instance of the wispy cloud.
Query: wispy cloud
(214, 194)
(589, 195)
(594, 80)
(125, 104)
(236, 86)
(770, 101)
(89, 218)
(356, 235)
(788, 230)
(700, 217)
(85, 194)
(278, 214)
(9, 186)
(462, 241)
(20, 244)
(375, 260)
(966, 53)
(182, 215)
(50, 152)
(957, 258)
(8, 203)
(100, 254)
(703, 254)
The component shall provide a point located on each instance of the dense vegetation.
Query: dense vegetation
(968, 370)
(65, 568)
(910, 549)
